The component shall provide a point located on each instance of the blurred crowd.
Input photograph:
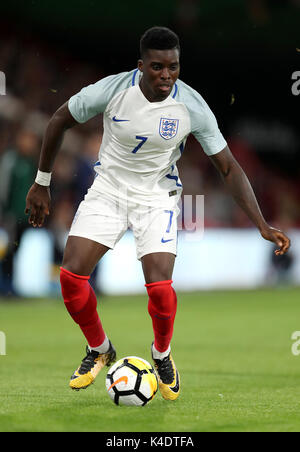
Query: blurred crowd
(40, 79)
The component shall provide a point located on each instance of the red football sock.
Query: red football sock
(81, 303)
(162, 309)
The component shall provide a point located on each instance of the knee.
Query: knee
(155, 276)
(158, 267)
(73, 266)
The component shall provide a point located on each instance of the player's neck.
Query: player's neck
(148, 93)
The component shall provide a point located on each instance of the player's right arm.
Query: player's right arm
(80, 108)
(38, 197)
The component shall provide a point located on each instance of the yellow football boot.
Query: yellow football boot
(91, 365)
(168, 377)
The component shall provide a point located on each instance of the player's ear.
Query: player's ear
(140, 65)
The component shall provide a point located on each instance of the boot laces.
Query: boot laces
(88, 361)
(165, 369)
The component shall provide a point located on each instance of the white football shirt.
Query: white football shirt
(143, 140)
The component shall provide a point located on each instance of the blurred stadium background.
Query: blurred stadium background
(240, 55)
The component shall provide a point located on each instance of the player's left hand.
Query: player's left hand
(278, 237)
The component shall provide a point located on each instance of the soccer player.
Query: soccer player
(148, 114)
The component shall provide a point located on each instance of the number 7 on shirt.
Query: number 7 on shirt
(143, 141)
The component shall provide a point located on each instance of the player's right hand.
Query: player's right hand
(37, 204)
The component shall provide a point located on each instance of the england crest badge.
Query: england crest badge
(168, 128)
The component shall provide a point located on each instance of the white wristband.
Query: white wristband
(43, 178)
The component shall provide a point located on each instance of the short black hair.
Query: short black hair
(158, 38)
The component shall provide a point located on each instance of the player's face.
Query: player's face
(160, 70)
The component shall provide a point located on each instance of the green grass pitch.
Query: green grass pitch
(233, 350)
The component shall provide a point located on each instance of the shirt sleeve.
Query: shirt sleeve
(93, 99)
(204, 125)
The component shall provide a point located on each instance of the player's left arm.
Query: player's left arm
(240, 188)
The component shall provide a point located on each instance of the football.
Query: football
(131, 381)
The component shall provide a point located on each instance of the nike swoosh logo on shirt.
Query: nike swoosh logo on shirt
(119, 120)
(165, 241)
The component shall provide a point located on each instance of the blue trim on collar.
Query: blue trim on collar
(176, 89)
(133, 77)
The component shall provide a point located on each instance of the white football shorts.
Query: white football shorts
(105, 217)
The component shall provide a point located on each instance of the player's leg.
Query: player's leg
(162, 306)
(97, 226)
(155, 231)
(80, 258)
